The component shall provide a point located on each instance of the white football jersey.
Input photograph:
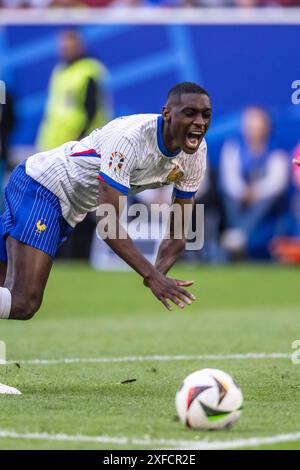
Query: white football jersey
(128, 153)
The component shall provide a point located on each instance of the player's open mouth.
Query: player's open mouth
(193, 139)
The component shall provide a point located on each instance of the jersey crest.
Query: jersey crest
(175, 174)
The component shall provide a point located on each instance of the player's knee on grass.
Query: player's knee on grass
(25, 306)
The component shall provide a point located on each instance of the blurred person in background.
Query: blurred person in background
(254, 177)
(295, 193)
(78, 99)
(296, 156)
(286, 249)
(78, 102)
(208, 194)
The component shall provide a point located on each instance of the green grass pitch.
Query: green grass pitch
(88, 314)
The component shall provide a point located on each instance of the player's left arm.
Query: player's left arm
(183, 196)
(173, 245)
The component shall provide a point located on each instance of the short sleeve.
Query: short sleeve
(118, 160)
(194, 167)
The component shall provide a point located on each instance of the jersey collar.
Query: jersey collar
(163, 149)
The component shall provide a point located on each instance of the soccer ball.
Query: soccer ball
(209, 399)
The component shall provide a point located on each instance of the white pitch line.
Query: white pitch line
(158, 443)
(250, 442)
(203, 357)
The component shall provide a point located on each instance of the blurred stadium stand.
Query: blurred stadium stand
(153, 3)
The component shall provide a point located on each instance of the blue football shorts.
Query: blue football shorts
(32, 215)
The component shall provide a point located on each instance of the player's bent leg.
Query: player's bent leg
(28, 270)
(33, 228)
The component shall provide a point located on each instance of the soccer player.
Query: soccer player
(51, 192)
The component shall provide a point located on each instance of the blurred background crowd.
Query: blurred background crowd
(150, 3)
(61, 82)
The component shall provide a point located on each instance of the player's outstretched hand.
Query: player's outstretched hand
(166, 289)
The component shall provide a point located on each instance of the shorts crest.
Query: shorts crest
(40, 227)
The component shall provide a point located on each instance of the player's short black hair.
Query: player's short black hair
(186, 87)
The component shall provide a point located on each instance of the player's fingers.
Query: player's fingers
(176, 300)
(296, 161)
(166, 304)
(184, 283)
(185, 293)
(184, 298)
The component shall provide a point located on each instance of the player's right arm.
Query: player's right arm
(109, 228)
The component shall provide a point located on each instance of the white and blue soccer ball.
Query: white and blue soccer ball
(209, 399)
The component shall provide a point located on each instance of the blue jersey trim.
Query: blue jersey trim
(183, 194)
(113, 183)
(160, 141)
